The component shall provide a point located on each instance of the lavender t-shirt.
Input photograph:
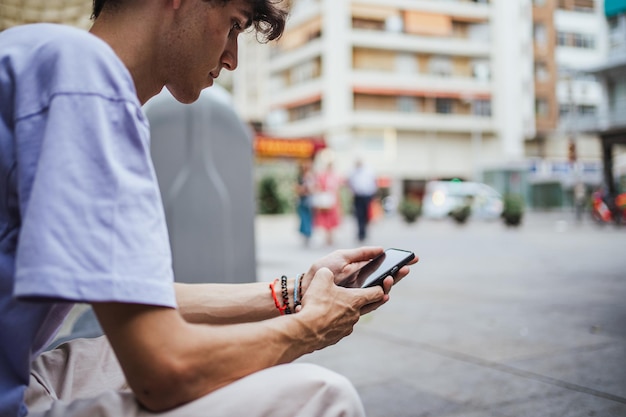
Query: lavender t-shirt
(81, 217)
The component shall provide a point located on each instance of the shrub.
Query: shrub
(269, 199)
(513, 210)
(410, 209)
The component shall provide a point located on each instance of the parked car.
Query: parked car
(442, 197)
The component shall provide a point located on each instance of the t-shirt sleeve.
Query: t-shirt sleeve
(93, 226)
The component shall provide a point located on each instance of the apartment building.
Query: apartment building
(610, 123)
(569, 37)
(420, 89)
(494, 90)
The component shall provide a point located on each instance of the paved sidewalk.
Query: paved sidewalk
(492, 321)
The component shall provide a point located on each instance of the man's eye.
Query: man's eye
(236, 27)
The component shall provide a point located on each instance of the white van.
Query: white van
(441, 197)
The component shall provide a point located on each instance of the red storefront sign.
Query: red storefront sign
(300, 148)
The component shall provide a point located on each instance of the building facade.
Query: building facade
(430, 89)
(569, 37)
(610, 123)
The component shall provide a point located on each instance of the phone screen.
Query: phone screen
(378, 269)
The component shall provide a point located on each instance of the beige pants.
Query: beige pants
(83, 378)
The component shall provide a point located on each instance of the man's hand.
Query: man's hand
(330, 311)
(346, 261)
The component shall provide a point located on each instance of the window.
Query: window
(587, 110)
(304, 72)
(480, 32)
(481, 70)
(541, 71)
(277, 118)
(406, 63)
(368, 24)
(441, 66)
(481, 107)
(587, 6)
(305, 111)
(584, 5)
(443, 105)
(584, 41)
(394, 24)
(540, 34)
(407, 104)
(576, 40)
(542, 108)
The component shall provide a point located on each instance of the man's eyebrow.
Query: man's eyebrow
(247, 13)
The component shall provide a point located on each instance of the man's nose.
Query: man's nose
(229, 57)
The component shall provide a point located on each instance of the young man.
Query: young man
(81, 220)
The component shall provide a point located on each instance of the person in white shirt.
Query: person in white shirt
(362, 182)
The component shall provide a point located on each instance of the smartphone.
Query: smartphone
(375, 271)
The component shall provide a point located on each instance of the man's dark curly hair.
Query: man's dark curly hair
(267, 18)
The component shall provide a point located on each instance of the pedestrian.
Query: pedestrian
(327, 201)
(580, 199)
(362, 183)
(81, 220)
(305, 183)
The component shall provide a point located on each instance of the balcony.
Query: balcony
(283, 59)
(422, 121)
(290, 96)
(465, 9)
(312, 126)
(422, 83)
(412, 43)
(613, 120)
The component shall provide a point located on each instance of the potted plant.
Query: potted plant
(269, 199)
(410, 209)
(461, 213)
(513, 210)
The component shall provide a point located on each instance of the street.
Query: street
(493, 321)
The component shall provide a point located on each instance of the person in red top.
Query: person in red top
(328, 217)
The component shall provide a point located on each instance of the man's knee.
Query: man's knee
(330, 394)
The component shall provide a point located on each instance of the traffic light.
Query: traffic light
(571, 151)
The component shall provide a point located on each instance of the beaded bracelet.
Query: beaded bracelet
(297, 291)
(280, 308)
(283, 286)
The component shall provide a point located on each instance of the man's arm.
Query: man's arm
(240, 303)
(226, 303)
(168, 361)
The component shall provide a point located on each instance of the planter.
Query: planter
(461, 214)
(410, 210)
(513, 210)
(512, 219)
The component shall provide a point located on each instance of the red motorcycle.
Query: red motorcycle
(601, 211)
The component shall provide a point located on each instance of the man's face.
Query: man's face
(202, 43)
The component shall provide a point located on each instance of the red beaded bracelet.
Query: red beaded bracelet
(280, 308)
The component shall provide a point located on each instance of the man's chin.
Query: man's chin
(185, 97)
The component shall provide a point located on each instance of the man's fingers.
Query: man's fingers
(387, 284)
(370, 295)
(362, 254)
